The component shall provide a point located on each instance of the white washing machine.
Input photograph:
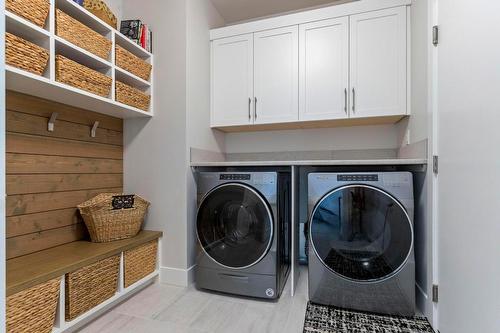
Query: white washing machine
(361, 241)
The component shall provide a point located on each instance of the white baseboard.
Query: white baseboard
(177, 276)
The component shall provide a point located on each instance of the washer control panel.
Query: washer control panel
(357, 178)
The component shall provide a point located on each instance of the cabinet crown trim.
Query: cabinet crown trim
(318, 14)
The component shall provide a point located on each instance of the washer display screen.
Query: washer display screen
(235, 226)
(361, 233)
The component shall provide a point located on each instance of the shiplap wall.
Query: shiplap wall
(49, 173)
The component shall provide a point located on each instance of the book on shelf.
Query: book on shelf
(138, 32)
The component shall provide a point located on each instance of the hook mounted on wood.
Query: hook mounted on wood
(52, 120)
(94, 129)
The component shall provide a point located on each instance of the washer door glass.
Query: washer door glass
(361, 233)
(235, 225)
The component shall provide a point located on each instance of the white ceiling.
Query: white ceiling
(243, 10)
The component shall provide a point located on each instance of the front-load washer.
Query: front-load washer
(361, 241)
(244, 232)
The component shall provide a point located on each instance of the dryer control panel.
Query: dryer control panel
(357, 178)
(235, 176)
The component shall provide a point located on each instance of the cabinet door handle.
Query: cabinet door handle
(353, 100)
(345, 100)
(249, 106)
(255, 109)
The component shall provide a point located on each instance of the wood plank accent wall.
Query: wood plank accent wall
(49, 173)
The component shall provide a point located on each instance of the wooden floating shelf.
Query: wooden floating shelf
(47, 87)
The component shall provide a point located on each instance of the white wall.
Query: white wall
(418, 123)
(414, 130)
(201, 17)
(340, 138)
(155, 149)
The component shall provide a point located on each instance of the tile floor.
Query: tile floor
(165, 308)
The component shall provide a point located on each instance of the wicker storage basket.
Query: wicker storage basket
(79, 34)
(35, 11)
(132, 64)
(131, 96)
(101, 10)
(110, 217)
(33, 309)
(25, 55)
(91, 285)
(140, 262)
(79, 76)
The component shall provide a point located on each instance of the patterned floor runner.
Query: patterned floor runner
(326, 319)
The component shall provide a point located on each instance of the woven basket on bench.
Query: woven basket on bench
(33, 309)
(91, 285)
(79, 34)
(35, 11)
(25, 55)
(79, 76)
(140, 262)
(111, 217)
(132, 96)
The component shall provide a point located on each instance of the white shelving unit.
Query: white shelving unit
(47, 87)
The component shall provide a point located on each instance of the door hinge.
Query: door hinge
(435, 35)
(435, 293)
(435, 164)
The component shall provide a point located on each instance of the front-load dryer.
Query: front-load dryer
(243, 228)
(361, 241)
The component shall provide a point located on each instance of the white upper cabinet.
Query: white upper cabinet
(276, 57)
(313, 69)
(378, 63)
(324, 69)
(232, 81)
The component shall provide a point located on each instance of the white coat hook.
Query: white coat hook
(94, 129)
(52, 120)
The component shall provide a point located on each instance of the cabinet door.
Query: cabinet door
(232, 81)
(276, 75)
(378, 63)
(324, 69)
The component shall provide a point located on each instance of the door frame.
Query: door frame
(433, 275)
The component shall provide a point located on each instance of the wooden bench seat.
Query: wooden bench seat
(30, 270)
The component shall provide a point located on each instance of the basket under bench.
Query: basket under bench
(62, 281)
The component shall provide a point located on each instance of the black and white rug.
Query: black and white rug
(326, 319)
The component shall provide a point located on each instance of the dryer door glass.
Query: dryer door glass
(235, 225)
(361, 233)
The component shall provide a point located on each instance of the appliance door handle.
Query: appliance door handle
(353, 100)
(234, 277)
(255, 108)
(345, 100)
(249, 107)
